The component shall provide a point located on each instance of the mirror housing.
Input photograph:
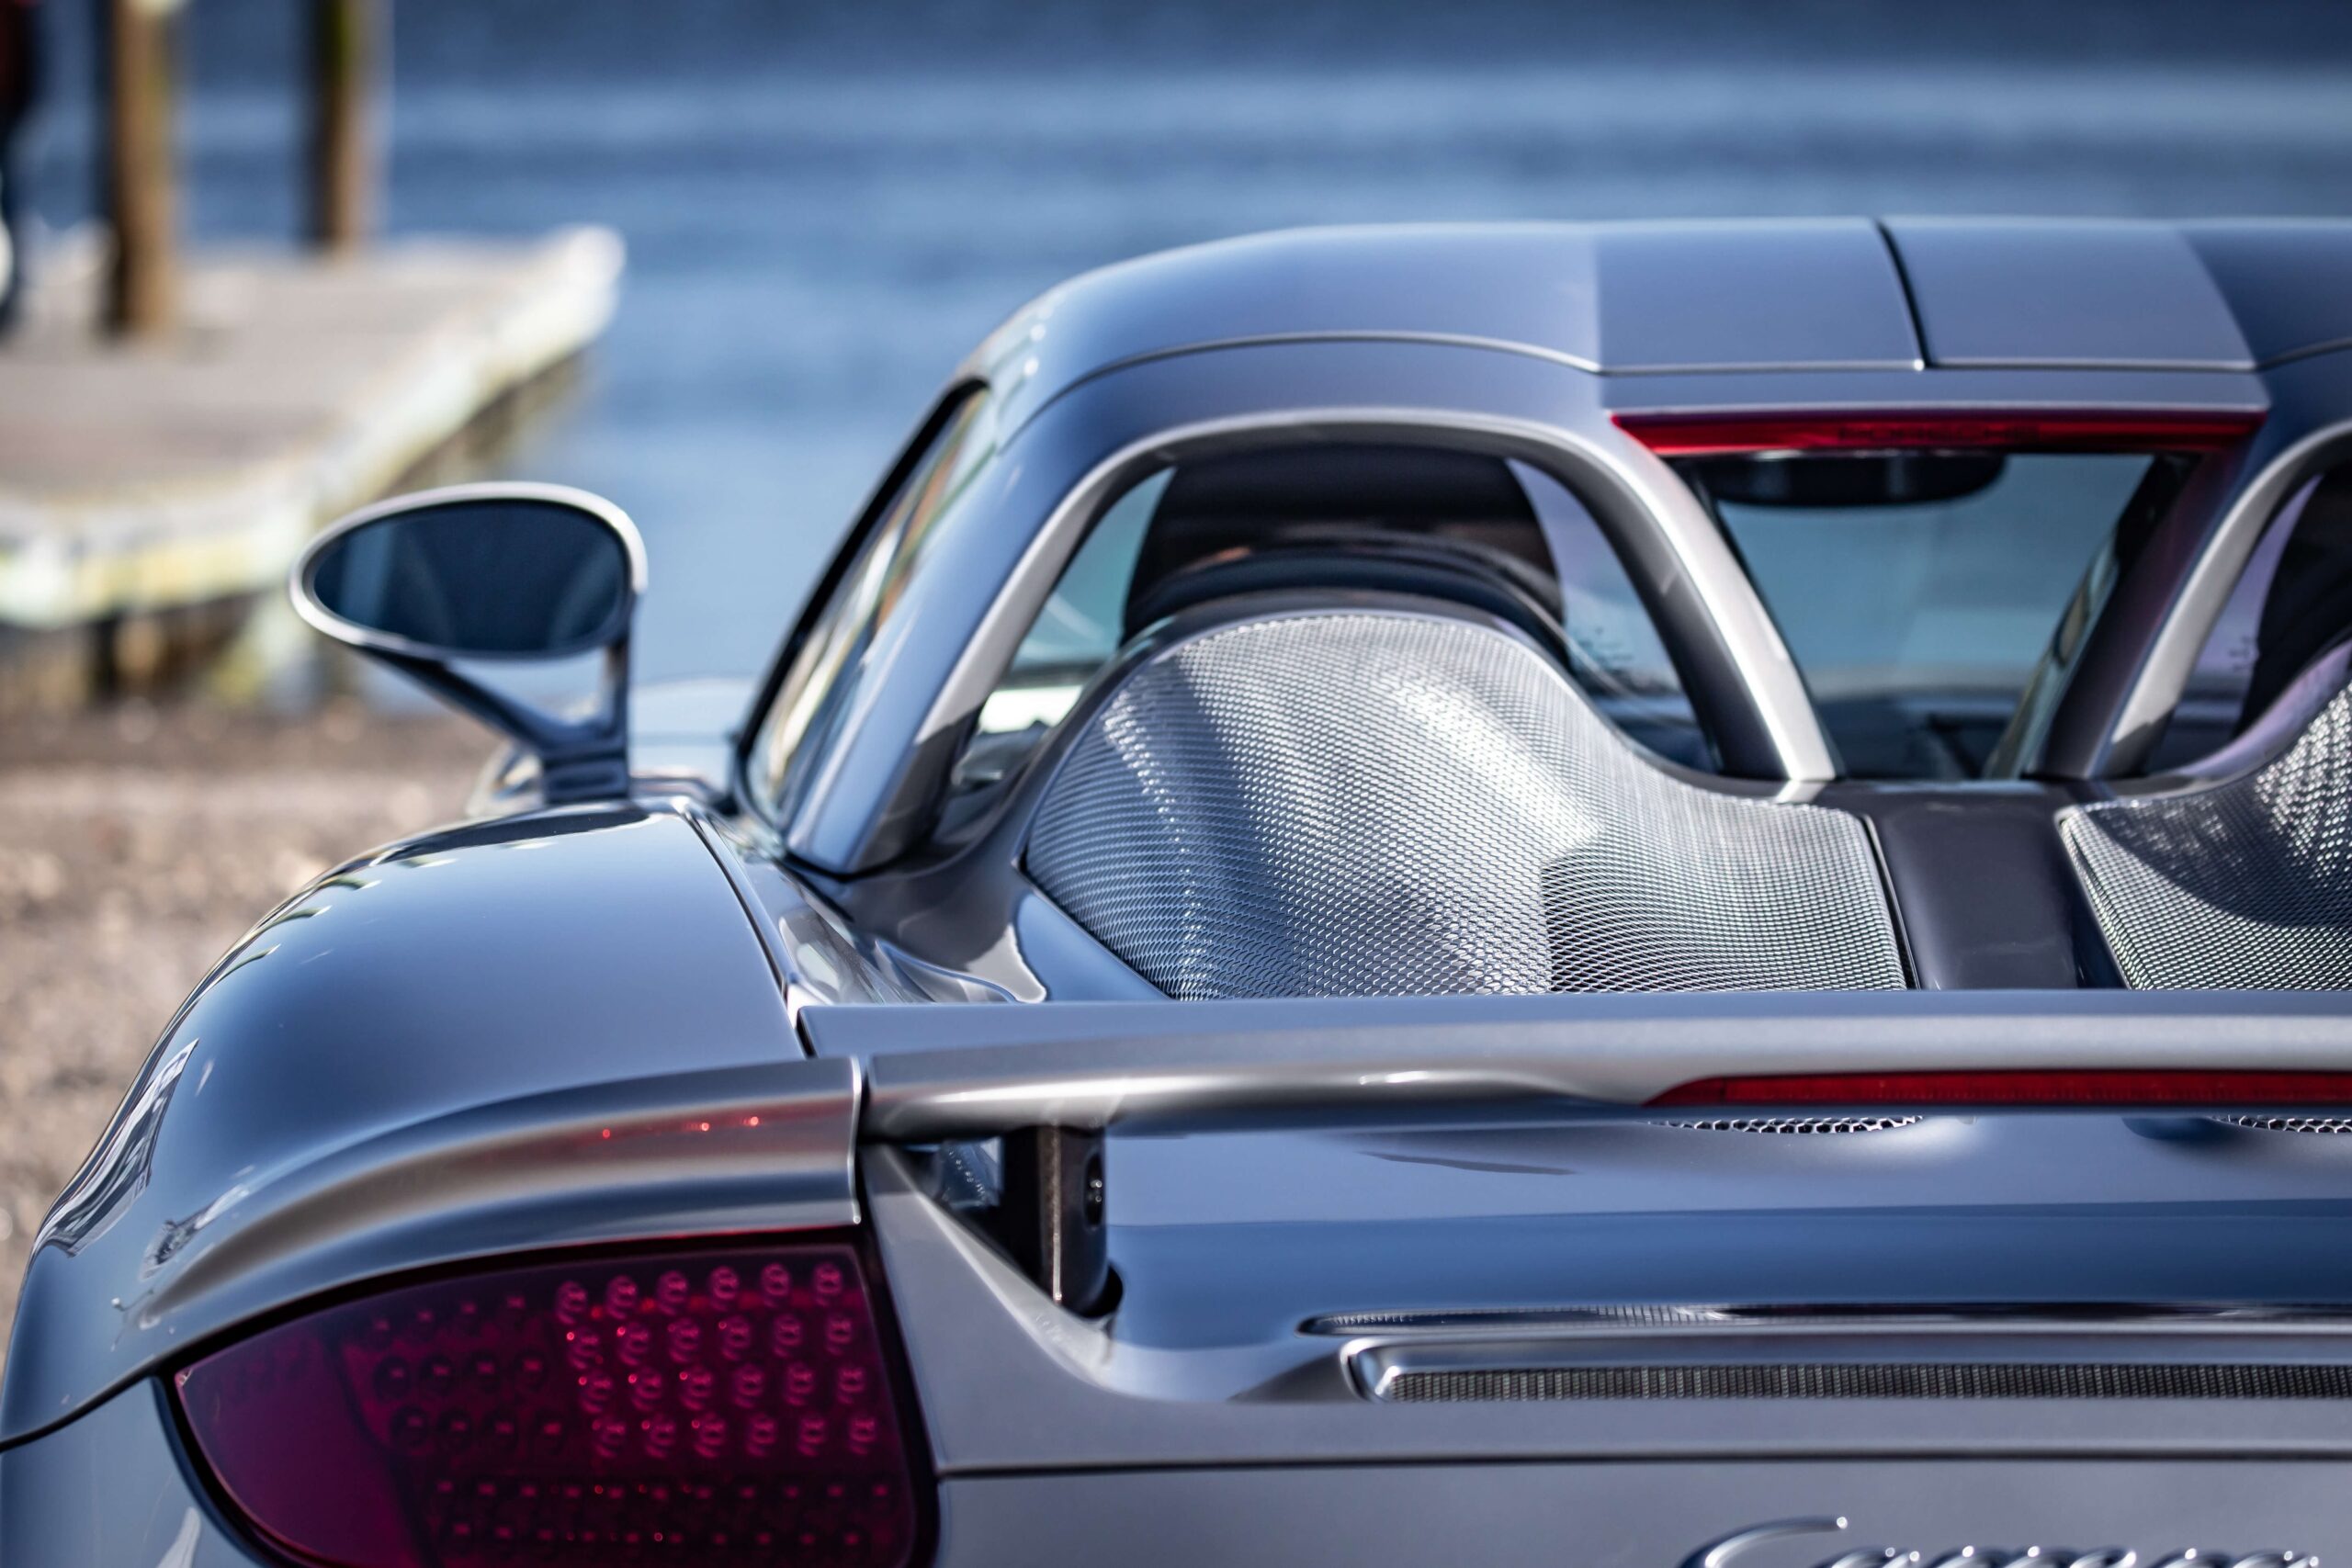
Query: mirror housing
(513, 573)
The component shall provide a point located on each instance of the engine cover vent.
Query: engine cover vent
(1862, 1379)
(1801, 1124)
(2292, 1123)
(1844, 1317)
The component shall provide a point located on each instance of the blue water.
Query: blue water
(827, 205)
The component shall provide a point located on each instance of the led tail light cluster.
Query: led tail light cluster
(715, 1408)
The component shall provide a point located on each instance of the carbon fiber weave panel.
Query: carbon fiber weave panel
(1374, 802)
(2246, 884)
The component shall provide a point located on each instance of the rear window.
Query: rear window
(1919, 591)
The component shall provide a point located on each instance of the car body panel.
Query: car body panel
(478, 1038)
(1717, 296)
(1652, 1515)
(2284, 282)
(2018, 924)
(1009, 1382)
(113, 1487)
(116, 1488)
(2058, 294)
(1644, 297)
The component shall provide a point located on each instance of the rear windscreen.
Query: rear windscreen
(1918, 592)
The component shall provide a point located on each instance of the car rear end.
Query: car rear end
(1513, 1282)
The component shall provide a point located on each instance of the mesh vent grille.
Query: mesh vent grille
(1798, 1124)
(2248, 884)
(2292, 1123)
(1961, 1379)
(1842, 1316)
(1369, 803)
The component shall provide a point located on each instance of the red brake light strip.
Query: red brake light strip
(1700, 434)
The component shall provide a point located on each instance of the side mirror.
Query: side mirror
(495, 573)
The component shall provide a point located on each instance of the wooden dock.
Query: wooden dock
(161, 485)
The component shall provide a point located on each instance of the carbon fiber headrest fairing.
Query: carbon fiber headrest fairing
(1364, 802)
(2245, 883)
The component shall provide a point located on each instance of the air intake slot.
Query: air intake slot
(1865, 1379)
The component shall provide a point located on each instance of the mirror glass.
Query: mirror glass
(480, 579)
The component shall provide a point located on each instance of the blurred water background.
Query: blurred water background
(827, 204)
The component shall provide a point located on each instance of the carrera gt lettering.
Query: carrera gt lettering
(1725, 1552)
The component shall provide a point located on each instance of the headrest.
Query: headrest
(1343, 500)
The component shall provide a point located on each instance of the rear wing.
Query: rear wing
(1050, 1081)
(978, 1070)
(779, 1146)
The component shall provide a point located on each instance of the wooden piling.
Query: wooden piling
(142, 198)
(344, 41)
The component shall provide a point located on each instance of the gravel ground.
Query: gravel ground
(136, 845)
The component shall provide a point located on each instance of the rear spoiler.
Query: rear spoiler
(939, 1072)
(1050, 1081)
(776, 1145)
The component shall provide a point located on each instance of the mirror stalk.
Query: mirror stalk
(580, 758)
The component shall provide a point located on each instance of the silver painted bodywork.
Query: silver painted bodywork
(112, 1490)
(417, 1060)
(450, 1049)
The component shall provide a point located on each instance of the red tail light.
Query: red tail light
(713, 1408)
(2121, 1088)
(1699, 435)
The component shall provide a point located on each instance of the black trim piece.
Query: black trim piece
(1865, 1379)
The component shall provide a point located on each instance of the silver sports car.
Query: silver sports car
(1548, 896)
